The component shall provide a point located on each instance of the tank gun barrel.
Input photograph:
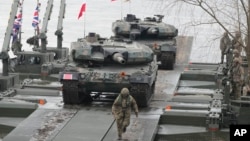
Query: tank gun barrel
(117, 57)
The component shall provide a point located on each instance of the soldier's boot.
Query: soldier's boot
(119, 137)
(124, 129)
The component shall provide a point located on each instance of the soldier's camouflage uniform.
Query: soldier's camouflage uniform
(238, 78)
(121, 110)
(238, 42)
(236, 54)
(246, 90)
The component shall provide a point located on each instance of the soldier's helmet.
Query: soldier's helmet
(124, 92)
(236, 60)
(235, 51)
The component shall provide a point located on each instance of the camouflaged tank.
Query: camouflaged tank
(151, 31)
(100, 68)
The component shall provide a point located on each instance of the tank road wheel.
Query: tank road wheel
(71, 93)
(167, 61)
(142, 94)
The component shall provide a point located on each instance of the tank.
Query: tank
(151, 31)
(100, 68)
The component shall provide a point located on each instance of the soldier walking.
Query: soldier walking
(224, 45)
(237, 78)
(121, 110)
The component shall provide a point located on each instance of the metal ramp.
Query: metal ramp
(92, 125)
(142, 129)
(42, 124)
(86, 125)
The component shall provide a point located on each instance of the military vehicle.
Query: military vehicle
(101, 67)
(9, 81)
(159, 36)
(43, 61)
(59, 52)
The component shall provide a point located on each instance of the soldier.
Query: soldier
(246, 90)
(237, 78)
(121, 110)
(238, 42)
(246, 87)
(236, 54)
(224, 44)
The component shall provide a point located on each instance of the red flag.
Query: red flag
(83, 9)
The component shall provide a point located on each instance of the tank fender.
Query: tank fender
(138, 78)
(68, 76)
(168, 48)
(143, 78)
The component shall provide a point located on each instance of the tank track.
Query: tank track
(142, 94)
(71, 94)
(167, 61)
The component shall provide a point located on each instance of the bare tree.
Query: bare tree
(230, 15)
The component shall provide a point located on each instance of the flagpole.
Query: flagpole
(36, 29)
(121, 9)
(20, 28)
(84, 22)
(38, 18)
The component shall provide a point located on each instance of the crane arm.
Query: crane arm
(46, 19)
(6, 42)
(61, 16)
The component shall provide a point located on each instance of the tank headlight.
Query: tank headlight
(168, 108)
(82, 76)
(122, 74)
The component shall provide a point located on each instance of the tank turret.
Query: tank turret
(147, 27)
(152, 32)
(110, 51)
